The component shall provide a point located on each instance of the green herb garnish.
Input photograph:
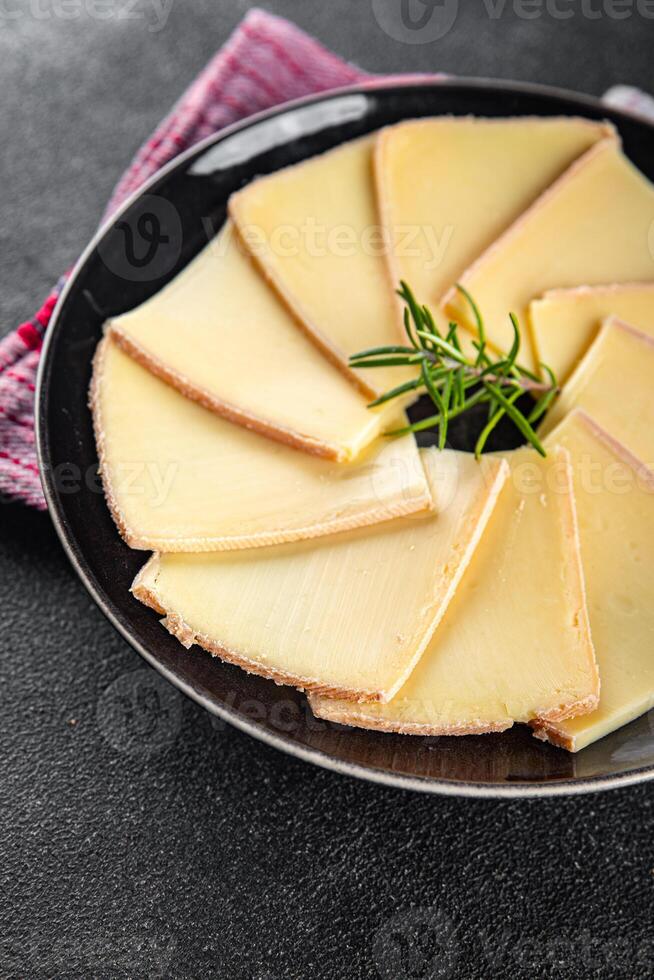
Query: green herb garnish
(456, 382)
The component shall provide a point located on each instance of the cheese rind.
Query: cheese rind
(613, 384)
(220, 335)
(564, 322)
(615, 505)
(448, 187)
(593, 225)
(515, 643)
(349, 614)
(313, 229)
(180, 478)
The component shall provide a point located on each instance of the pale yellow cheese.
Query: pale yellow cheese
(565, 321)
(220, 335)
(448, 187)
(315, 232)
(614, 383)
(348, 614)
(179, 478)
(594, 225)
(615, 506)
(515, 642)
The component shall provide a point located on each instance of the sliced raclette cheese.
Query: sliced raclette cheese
(349, 614)
(220, 335)
(515, 642)
(314, 230)
(180, 478)
(448, 187)
(614, 384)
(593, 225)
(615, 506)
(565, 321)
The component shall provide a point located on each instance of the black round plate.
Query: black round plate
(164, 226)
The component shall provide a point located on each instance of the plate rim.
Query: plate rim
(437, 786)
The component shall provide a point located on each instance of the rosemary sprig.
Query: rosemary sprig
(456, 382)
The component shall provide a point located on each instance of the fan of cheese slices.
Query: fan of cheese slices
(404, 589)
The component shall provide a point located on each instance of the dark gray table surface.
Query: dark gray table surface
(187, 849)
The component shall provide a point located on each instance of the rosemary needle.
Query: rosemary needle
(456, 382)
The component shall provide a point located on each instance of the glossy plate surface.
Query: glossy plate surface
(156, 234)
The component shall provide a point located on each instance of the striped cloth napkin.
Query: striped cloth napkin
(266, 61)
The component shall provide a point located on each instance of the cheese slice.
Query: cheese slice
(515, 642)
(593, 225)
(180, 478)
(448, 187)
(614, 384)
(615, 504)
(314, 230)
(348, 614)
(565, 321)
(219, 334)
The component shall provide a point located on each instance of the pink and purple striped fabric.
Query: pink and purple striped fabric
(266, 61)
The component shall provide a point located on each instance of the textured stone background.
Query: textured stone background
(179, 849)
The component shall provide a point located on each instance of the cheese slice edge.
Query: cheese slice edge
(346, 614)
(613, 384)
(448, 186)
(564, 322)
(497, 657)
(591, 226)
(616, 519)
(307, 227)
(180, 478)
(220, 335)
